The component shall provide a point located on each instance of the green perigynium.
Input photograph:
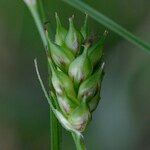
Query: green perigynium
(73, 38)
(76, 72)
(61, 32)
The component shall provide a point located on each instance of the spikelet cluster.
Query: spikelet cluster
(76, 72)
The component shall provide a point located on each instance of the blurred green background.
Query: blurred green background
(122, 120)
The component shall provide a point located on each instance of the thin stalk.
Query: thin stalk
(55, 127)
(42, 10)
(44, 16)
(34, 12)
(54, 124)
(55, 132)
(110, 24)
(55, 144)
(78, 142)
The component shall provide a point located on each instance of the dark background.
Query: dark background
(122, 120)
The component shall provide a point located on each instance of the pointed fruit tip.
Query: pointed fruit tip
(86, 16)
(105, 33)
(57, 19)
(71, 18)
(56, 14)
(86, 45)
(102, 66)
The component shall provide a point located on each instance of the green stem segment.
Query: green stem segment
(54, 124)
(42, 10)
(55, 132)
(55, 127)
(78, 142)
(38, 22)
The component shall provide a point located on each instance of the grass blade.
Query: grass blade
(110, 24)
(32, 5)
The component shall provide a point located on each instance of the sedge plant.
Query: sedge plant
(76, 70)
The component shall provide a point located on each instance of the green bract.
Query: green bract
(76, 72)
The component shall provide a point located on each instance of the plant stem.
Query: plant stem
(39, 24)
(78, 142)
(42, 10)
(55, 127)
(54, 124)
(55, 131)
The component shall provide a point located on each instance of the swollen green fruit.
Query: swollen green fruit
(94, 102)
(80, 68)
(74, 38)
(66, 104)
(95, 52)
(80, 117)
(60, 56)
(75, 79)
(61, 32)
(89, 87)
(61, 82)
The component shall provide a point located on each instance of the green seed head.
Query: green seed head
(76, 74)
